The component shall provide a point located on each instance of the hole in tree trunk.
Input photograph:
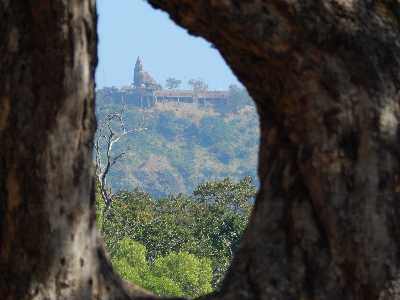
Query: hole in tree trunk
(176, 153)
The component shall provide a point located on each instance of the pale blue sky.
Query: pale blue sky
(131, 28)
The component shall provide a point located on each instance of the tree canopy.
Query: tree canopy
(173, 83)
(198, 233)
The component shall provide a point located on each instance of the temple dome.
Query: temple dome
(142, 79)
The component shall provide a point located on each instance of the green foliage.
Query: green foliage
(226, 194)
(130, 262)
(100, 206)
(127, 217)
(172, 83)
(197, 233)
(163, 286)
(168, 127)
(194, 144)
(198, 85)
(173, 275)
(193, 274)
(213, 130)
(226, 207)
(180, 245)
(238, 98)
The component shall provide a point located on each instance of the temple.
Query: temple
(142, 79)
(146, 92)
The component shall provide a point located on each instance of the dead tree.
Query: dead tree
(110, 131)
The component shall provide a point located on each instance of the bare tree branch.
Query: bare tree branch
(110, 132)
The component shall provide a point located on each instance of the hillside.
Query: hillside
(182, 145)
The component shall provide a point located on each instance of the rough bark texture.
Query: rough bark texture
(324, 75)
(48, 240)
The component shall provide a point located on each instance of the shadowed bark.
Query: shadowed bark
(48, 239)
(324, 76)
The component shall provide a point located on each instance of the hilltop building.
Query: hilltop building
(142, 79)
(146, 92)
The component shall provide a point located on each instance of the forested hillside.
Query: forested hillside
(182, 190)
(175, 147)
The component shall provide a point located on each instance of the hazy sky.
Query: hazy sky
(131, 28)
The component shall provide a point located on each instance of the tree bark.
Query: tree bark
(324, 76)
(48, 241)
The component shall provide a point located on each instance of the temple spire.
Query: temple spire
(139, 64)
(142, 79)
(137, 72)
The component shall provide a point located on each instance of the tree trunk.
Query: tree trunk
(324, 75)
(325, 78)
(48, 240)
